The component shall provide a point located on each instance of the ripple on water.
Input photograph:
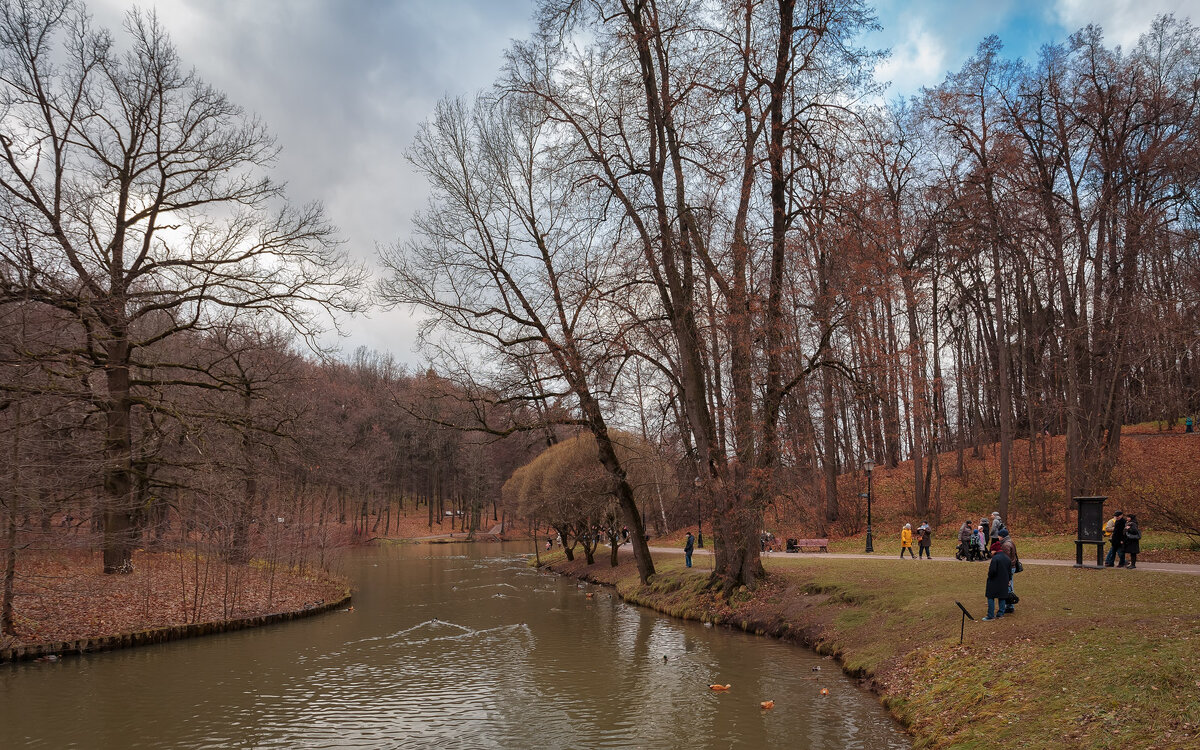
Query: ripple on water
(512, 659)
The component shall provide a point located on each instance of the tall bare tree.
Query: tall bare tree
(134, 198)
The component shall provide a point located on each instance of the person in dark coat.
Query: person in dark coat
(998, 578)
(1133, 540)
(688, 547)
(1009, 547)
(1118, 542)
(964, 540)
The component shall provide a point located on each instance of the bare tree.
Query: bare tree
(139, 194)
(507, 265)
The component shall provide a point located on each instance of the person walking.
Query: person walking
(997, 525)
(906, 541)
(1133, 540)
(1009, 547)
(964, 540)
(688, 547)
(1117, 549)
(924, 533)
(998, 579)
(1108, 530)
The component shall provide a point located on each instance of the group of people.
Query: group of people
(924, 536)
(989, 539)
(1004, 567)
(975, 541)
(1124, 537)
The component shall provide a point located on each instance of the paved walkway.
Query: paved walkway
(1146, 566)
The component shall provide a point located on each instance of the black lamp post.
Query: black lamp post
(869, 465)
(699, 526)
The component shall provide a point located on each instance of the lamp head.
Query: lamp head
(869, 465)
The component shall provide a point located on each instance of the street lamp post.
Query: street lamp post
(699, 526)
(869, 465)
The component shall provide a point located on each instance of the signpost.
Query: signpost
(1090, 529)
(963, 629)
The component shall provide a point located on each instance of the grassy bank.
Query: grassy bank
(1156, 547)
(1096, 659)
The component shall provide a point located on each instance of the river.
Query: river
(449, 646)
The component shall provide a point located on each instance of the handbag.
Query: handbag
(1019, 567)
(1014, 599)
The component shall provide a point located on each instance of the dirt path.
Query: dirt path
(1146, 566)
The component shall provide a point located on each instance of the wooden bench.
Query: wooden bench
(794, 545)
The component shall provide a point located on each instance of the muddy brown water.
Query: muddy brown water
(449, 646)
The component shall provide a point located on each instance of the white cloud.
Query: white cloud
(919, 60)
(343, 86)
(1123, 21)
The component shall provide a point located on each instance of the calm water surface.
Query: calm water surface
(448, 646)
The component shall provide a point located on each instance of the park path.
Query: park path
(1142, 566)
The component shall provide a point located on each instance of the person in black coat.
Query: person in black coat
(1118, 542)
(1133, 541)
(998, 578)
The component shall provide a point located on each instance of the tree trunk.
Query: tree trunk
(829, 441)
(118, 541)
(10, 556)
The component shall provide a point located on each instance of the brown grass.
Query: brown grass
(1092, 659)
(63, 595)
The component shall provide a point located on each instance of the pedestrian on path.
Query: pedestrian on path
(1117, 550)
(688, 547)
(1133, 540)
(998, 578)
(1009, 547)
(996, 525)
(906, 541)
(924, 533)
(964, 540)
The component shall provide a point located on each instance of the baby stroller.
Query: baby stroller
(974, 550)
(970, 550)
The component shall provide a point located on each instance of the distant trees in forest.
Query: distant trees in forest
(162, 382)
(686, 229)
(698, 221)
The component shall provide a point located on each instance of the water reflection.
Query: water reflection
(452, 647)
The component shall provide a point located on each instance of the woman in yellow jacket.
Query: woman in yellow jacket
(906, 541)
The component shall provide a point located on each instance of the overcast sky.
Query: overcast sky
(345, 83)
